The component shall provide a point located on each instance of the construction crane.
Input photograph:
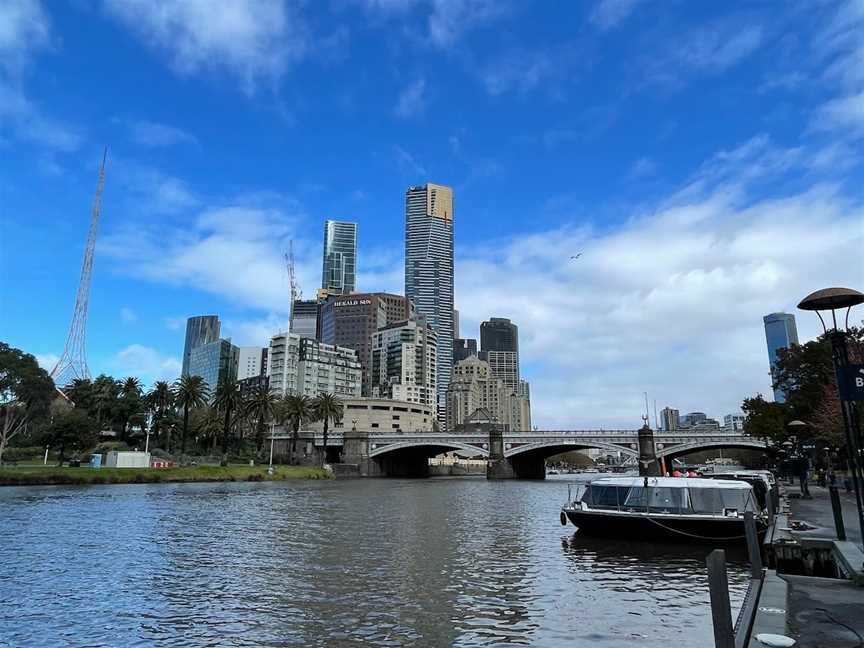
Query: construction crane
(292, 280)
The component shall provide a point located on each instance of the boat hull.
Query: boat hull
(643, 526)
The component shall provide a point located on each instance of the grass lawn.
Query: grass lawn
(36, 475)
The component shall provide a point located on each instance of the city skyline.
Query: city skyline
(700, 193)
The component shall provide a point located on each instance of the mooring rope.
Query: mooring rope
(694, 535)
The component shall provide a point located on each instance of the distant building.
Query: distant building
(780, 333)
(304, 366)
(251, 362)
(404, 363)
(429, 270)
(215, 362)
(351, 320)
(476, 396)
(304, 318)
(499, 346)
(693, 418)
(669, 419)
(249, 386)
(733, 423)
(378, 414)
(339, 273)
(455, 324)
(463, 348)
(200, 330)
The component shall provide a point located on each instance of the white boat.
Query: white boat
(669, 508)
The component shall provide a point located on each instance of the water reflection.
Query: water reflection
(375, 562)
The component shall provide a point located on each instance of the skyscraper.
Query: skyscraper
(429, 269)
(200, 330)
(215, 362)
(304, 318)
(780, 333)
(339, 275)
(499, 346)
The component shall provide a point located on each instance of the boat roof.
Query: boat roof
(672, 482)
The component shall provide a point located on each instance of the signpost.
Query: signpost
(850, 382)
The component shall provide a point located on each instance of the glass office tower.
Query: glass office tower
(429, 269)
(339, 275)
(200, 330)
(780, 333)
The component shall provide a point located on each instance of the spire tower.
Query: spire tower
(73, 362)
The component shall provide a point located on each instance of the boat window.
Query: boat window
(664, 499)
(716, 500)
(635, 498)
(605, 497)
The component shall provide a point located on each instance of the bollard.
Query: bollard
(838, 513)
(721, 610)
(753, 546)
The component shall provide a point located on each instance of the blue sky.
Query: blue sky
(706, 158)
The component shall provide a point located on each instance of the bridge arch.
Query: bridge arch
(436, 447)
(674, 451)
(552, 448)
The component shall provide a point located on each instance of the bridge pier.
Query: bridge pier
(524, 466)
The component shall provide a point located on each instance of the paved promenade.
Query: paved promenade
(825, 612)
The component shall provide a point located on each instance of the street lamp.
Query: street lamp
(834, 299)
(272, 434)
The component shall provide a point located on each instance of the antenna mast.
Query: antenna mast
(292, 281)
(73, 363)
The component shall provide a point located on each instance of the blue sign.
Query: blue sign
(850, 381)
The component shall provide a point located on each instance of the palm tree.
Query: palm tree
(207, 423)
(227, 399)
(189, 392)
(105, 392)
(327, 407)
(159, 400)
(297, 409)
(260, 407)
(130, 401)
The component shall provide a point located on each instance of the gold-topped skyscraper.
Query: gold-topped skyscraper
(429, 269)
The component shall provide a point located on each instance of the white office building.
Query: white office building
(404, 363)
(252, 362)
(300, 365)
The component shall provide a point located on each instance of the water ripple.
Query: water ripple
(374, 562)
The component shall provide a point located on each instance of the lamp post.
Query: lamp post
(272, 434)
(834, 299)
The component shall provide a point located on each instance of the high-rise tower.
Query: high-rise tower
(429, 269)
(339, 274)
(73, 363)
(200, 330)
(499, 346)
(780, 333)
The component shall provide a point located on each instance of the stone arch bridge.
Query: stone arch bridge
(510, 455)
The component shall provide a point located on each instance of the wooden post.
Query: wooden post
(753, 546)
(721, 610)
(838, 513)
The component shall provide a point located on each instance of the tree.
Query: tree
(260, 408)
(106, 392)
(296, 410)
(26, 392)
(189, 392)
(130, 402)
(207, 423)
(74, 430)
(764, 419)
(227, 400)
(159, 401)
(328, 408)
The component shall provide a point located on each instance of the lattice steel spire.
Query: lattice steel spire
(73, 362)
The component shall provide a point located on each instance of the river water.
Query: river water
(436, 562)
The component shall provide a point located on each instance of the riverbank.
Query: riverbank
(48, 475)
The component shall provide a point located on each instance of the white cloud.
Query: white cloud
(407, 162)
(672, 301)
(24, 29)
(254, 332)
(47, 361)
(128, 315)
(610, 13)
(232, 250)
(145, 363)
(155, 135)
(642, 167)
(450, 19)
(843, 114)
(412, 100)
(253, 40)
(706, 51)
